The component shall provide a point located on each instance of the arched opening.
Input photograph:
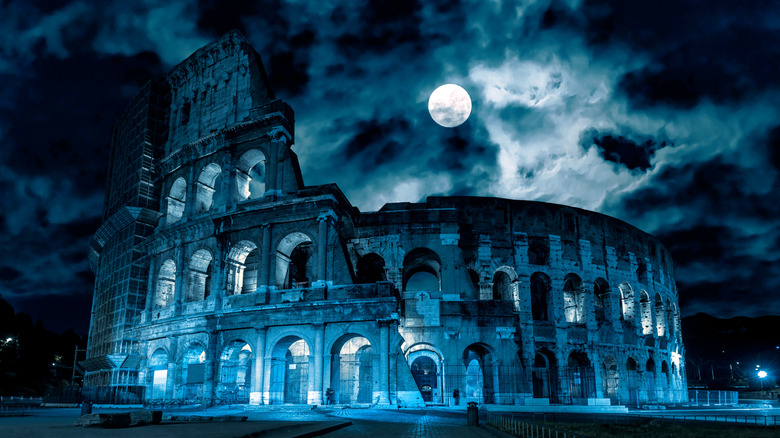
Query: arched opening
(573, 299)
(645, 308)
(478, 384)
(540, 291)
(166, 281)
(426, 376)
(352, 370)
(241, 269)
(250, 175)
(472, 287)
(627, 301)
(290, 371)
(660, 316)
(544, 376)
(294, 261)
(580, 377)
(422, 270)
(207, 191)
(235, 373)
(193, 373)
(610, 378)
(666, 381)
(633, 381)
(371, 269)
(199, 281)
(158, 368)
(175, 201)
(601, 300)
(650, 380)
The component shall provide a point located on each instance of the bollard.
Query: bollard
(472, 414)
(86, 407)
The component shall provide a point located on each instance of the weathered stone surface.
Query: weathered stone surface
(144, 417)
(113, 420)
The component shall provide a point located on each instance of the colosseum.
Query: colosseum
(222, 278)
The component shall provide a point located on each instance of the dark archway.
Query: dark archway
(370, 269)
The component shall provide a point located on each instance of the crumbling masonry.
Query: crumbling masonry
(222, 278)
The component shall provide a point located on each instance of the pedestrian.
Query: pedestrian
(456, 396)
(329, 393)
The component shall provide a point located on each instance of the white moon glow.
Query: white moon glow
(449, 105)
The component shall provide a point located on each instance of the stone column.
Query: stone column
(256, 388)
(211, 374)
(228, 181)
(322, 249)
(265, 262)
(190, 194)
(384, 363)
(181, 273)
(315, 389)
(151, 286)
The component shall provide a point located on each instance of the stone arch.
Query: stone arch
(422, 270)
(632, 376)
(425, 363)
(650, 380)
(352, 369)
(289, 381)
(479, 385)
(505, 284)
(199, 281)
(660, 316)
(667, 378)
(573, 299)
(294, 261)
(207, 191)
(646, 310)
(166, 284)
(610, 378)
(235, 372)
(250, 175)
(627, 301)
(158, 370)
(676, 320)
(580, 376)
(544, 375)
(175, 201)
(241, 269)
(371, 269)
(602, 300)
(541, 285)
(669, 319)
(193, 369)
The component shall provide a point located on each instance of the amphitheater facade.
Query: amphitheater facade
(222, 278)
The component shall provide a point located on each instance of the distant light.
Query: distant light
(737, 363)
(761, 374)
(9, 339)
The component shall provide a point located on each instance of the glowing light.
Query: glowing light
(761, 374)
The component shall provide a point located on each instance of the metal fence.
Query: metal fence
(709, 398)
(517, 427)
(109, 395)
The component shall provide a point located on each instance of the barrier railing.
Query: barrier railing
(517, 427)
(708, 398)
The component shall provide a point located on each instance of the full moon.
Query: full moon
(449, 105)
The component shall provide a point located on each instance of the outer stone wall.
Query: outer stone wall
(254, 288)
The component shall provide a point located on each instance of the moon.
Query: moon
(449, 105)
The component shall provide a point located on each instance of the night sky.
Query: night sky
(663, 114)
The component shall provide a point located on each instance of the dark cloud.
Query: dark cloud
(621, 150)
(382, 26)
(8, 273)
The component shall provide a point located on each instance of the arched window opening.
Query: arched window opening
(627, 301)
(290, 371)
(540, 291)
(193, 373)
(242, 262)
(175, 201)
(610, 378)
(650, 380)
(158, 369)
(544, 376)
(370, 269)
(352, 370)
(580, 377)
(478, 385)
(166, 281)
(294, 261)
(601, 299)
(573, 299)
(646, 308)
(660, 316)
(502, 287)
(633, 381)
(198, 286)
(235, 373)
(422, 270)
(425, 374)
(207, 191)
(538, 251)
(250, 175)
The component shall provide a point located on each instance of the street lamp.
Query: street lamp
(761, 376)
